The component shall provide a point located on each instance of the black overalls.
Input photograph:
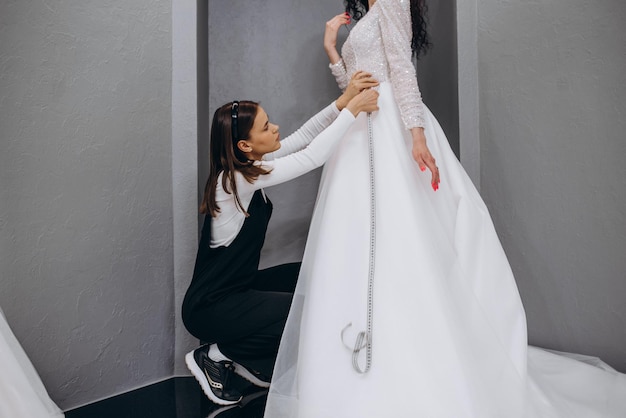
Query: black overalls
(231, 303)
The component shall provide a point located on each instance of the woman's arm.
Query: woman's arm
(395, 25)
(336, 66)
(318, 151)
(294, 165)
(303, 136)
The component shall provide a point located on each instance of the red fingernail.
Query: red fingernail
(423, 168)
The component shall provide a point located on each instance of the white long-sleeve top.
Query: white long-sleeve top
(304, 150)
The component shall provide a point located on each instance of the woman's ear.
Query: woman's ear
(244, 146)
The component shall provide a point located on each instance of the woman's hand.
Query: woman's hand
(366, 101)
(423, 157)
(360, 81)
(330, 36)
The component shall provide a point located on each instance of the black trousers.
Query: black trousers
(247, 326)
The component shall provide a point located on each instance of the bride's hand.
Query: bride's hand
(423, 157)
(332, 28)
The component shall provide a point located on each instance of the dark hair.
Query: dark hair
(420, 42)
(226, 158)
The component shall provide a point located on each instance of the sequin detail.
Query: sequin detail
(380, 43)
(339, 71)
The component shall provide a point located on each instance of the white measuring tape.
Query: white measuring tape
(364, 338)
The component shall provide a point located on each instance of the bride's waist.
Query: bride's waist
(378, 72)
(384, 87)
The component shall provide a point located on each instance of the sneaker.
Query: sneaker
(252, 376)
(213, 376)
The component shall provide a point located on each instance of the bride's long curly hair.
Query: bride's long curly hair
(420, 43)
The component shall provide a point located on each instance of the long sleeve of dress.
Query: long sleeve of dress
(303, 136)
(395, 25)
(338, 69)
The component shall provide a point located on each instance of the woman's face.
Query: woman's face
(264, 137)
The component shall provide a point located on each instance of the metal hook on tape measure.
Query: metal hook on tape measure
(362, 341)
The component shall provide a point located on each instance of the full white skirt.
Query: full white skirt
(449, 330)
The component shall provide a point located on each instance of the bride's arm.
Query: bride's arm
(336, 66)
(395, 25)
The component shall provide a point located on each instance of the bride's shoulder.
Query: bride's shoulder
(394, 5)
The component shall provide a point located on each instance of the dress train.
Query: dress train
(449, 330)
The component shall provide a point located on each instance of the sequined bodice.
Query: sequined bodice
(363, 50)
(380, 43)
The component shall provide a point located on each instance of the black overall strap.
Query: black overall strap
(228, 269)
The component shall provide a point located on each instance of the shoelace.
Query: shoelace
(223, 377)
(230, 368)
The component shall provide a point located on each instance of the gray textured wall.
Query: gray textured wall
(188, 23)
(553, 145)
(251, 57)
(438, 69)
(468, 97)
(85, 192)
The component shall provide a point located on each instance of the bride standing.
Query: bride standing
(442, 331)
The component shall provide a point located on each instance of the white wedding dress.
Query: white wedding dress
(449, 330)
(22, 395)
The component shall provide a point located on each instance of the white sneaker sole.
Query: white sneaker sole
(243, 372)
(204, 383)
(218, 411)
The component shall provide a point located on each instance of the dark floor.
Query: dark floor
(179, 397)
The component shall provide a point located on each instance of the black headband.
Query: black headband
(234, 115)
